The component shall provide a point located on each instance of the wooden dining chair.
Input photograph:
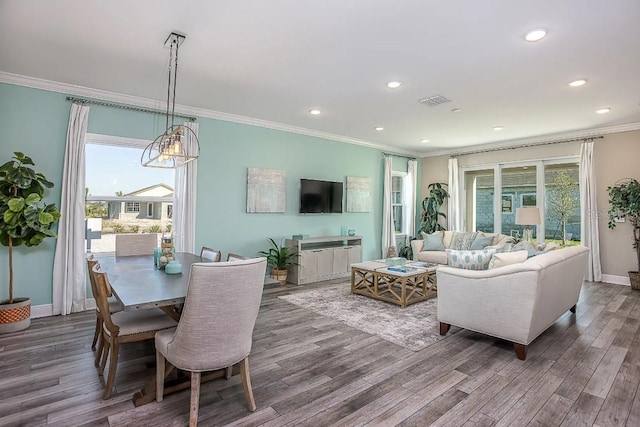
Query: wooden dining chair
(216, 325)
(136, 244)
(114, 307)
(234, 257)
(208, 254)
(123, 327)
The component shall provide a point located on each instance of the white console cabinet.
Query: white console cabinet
(323, 258)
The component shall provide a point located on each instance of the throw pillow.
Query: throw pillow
(525, 246)
(433, 242)
(469, 260)
(551, 247)
(507, 258)
(481, 242)
(462, 240)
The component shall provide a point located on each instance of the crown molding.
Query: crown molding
(103, 95)
(515, 143)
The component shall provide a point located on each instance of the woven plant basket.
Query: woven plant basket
(15, 317)
(279, 275)
(634, 277)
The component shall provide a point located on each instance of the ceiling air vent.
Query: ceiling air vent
(434, 100)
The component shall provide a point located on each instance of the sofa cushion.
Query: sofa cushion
(433, 241)
(438, 257)
(470, 260)
(462, 240)
(481, 242)
(507, 258)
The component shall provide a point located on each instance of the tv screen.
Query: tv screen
(320, 196)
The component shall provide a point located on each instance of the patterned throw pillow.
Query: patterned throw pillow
(462, 241)
(470, 260)
(433, 241)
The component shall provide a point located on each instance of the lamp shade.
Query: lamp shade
(527, 216)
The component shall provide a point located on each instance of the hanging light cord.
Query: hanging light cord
(175, 80)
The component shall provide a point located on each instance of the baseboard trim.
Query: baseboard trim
(616, 280)
(44, 310)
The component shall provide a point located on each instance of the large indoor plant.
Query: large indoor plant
(26, 220)
(279, 258)
(624, 198)
(431, 215)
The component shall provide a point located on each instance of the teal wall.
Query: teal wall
(35, 122)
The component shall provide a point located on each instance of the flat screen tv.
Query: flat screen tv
(320, 196)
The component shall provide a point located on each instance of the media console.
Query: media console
(323, 258)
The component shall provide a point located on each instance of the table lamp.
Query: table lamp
(527, 217)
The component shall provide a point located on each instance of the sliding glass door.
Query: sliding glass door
(479, 200)
(518, 190)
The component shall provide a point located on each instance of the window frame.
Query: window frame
(402, 204)
(132, 209)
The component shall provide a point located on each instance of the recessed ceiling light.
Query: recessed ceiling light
(603, 110)
(535, 35)
(314, 112)
(577, 83)
(498, 127)
(456, 110)
(424, 140)
(379, 128)
(394, 85)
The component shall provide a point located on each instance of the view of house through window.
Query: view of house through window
(518, 187)
(124, 197)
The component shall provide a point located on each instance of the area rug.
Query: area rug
(414, 327)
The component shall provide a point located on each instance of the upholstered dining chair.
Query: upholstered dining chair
(208, 254)
(123, 327)
(114, 307)
(234, 257)
(216, 325)
(136, 244)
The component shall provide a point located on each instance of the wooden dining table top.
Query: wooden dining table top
(138, 284)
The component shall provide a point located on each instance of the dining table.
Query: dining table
(138, 284)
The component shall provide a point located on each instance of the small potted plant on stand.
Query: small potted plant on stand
(624, 198)
(279, 258)
(26, 220)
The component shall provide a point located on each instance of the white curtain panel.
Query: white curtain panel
(410, 184)
(454, 206)
(388, 230)
(589, 236)
(69, 264)
(184, 200)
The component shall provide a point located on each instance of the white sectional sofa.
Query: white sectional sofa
(440, 257)
(515, 302)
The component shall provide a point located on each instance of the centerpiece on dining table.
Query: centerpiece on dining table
(167, 252)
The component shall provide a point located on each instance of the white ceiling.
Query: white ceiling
(275, 60)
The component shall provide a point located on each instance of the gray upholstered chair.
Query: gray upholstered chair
(114, 307)
(216, 325)
(123, 327)
(136, 244)
(208, 254)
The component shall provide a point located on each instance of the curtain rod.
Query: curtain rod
(399, 155)
(125, 107)
(533, 144)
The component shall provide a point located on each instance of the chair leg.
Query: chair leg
(246, 383)
(521, 351)
(195, 399)
(228, 372)
(105, 353)
(113, 364)
(96, 333)
(96, 360)
(159, 376)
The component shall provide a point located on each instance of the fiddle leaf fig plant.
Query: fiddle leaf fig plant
(431, 215)
(26, 219)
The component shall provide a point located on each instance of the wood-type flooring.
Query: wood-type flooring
(310, 370)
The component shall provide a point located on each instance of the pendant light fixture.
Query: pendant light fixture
(178, 145)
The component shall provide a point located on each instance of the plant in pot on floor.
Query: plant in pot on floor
(624, 198)
(279, 258)
(26, 220)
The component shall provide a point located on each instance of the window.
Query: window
(528, 200)
(169, 211)
(397, 203)
(150, 210)
(506, 207)
(132, 207)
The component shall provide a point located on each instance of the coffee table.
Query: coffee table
(374, 279)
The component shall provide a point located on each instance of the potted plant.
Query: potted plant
(26, 220)
(624, 198)
(279, 258)
(431, 215)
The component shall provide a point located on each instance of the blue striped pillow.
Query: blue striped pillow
(470, 260)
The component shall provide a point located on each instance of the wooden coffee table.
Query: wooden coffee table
(374, 279)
